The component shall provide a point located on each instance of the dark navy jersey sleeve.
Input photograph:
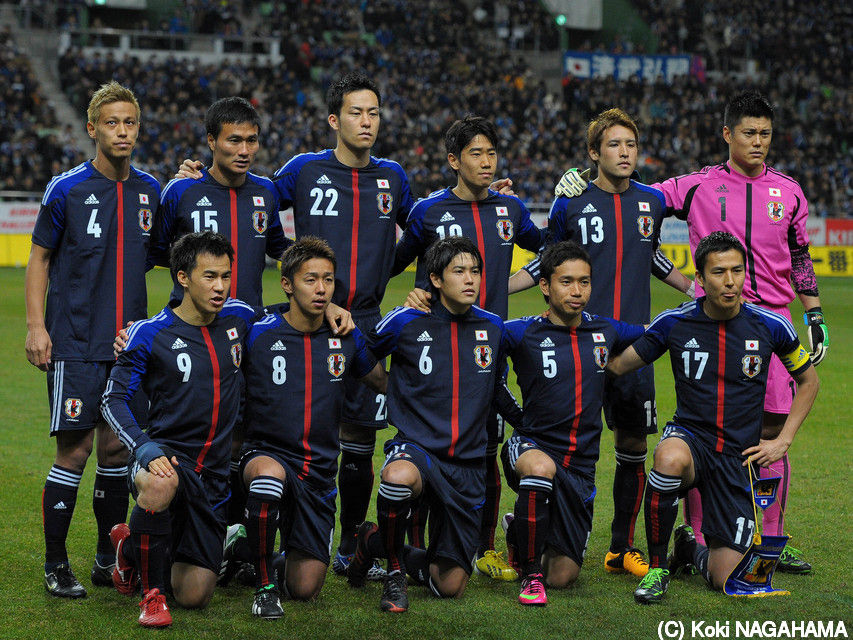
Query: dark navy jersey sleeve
(654, 342)
(412, 243)
(363, 358)
(383, 339)
(626, 334)
(165, 224)
(529, 236)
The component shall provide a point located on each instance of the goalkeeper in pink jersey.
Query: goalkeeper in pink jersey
(767, 211)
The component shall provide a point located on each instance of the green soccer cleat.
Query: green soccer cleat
(791, 561)
(653, 587)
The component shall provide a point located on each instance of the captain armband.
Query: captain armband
(796, 360)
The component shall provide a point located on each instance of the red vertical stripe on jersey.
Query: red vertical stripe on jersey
(573, 431)
(120, 257)
(235, 240)
(214, 414)
(617, 282)
(454, 400)
(306, 423)
(481, 245)
(721, 384)
(353, 258)
(531, 523)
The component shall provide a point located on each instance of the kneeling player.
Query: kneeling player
(720, 348)
(187, 359)
(550, 459)
(295, 371)
(445, 367)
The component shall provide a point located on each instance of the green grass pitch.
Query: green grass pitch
(599, 606)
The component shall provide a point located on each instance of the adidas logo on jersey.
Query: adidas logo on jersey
(179, 344)
(447, 217)
(547, 342)
(278, 346)
(324, 179)
(691, 344)
(424, 337)
(90, 200)
(204, 202)
(60, 505)
(589, 209)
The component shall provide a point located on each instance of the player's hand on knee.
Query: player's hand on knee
(418, 299)
(818, 334)
(190, 169)
(503, 186)
(38, 347)
(340, 320)
(572, 184)
(766, 452)
(120, 342)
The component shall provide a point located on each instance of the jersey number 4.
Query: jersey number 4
(93, 228)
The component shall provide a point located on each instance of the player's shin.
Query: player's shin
(392, 509)
(262, 507)
(492, 504)
(661, 507)
(629, 484)
(532, 517)
(693, 513)
(355, 487)
(58, 501)
(110, 499)
(150, 532)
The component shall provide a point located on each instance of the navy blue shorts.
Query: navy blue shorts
(455, 494)
(571, 501)
(307, 511)
(197, 513)
(364, 407)
(74, 391)
(727, 506)
(629, 402)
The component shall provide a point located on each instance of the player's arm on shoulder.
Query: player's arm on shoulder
(38, 344)
(339, 320)
(625, 362)
(572, 183)
(190, 169)
(377, 379)
(522, 279)
(419, 299)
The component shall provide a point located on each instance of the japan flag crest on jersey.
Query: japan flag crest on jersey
(775, 211)
(73, 407)
(751, 365)
(237, 354)
(258, 201)
(483, 355)
(143, 198)
(645, 225)
(600, 354)
(336, 364)
(259, 221)
(384, 202)
(145, 219)
(504, 229)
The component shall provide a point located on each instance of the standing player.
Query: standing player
(90, 243)
(618, 221)
(187, 359)
(496, 223)
(445, 369)
(550, 459)
(719, 348)
(295, 367)
(767, 211)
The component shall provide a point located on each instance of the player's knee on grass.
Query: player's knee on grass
(304, 576)
(404, 473)
(448, 579)
(73, 449)
(721, 562)
(192, 586)
(155, 493)
(355, 433)
(673, 457)
(560, 570)
(535, 462)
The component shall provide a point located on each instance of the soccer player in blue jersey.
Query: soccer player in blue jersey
(618, 220)
(295, 370)
(719, 347)
(496, 223)
(446, 367)
(90, 245)
(550, 458)
(187, 360)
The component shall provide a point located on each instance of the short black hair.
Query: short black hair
(441, 253)
(557, 254)
(233, 110)
(355, 81)
(185, 252)
(716, 242)
(303, 250)
(463, 131)
(746, 104)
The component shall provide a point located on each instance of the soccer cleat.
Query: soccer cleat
(630, 560)
(511, 549)
(791, 561)
(361, 561)
(231, 566)
(266, 604)
(62, 583)
(102, 576)
(124, 574)
(653, 587)
(680, 561)
(340, 564)
(153, 610)
(533, 590)
(394, 596)
(492, 564)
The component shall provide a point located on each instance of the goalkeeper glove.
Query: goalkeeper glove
(572, 184)
(818, 334)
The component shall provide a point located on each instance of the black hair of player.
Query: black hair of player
(305, 249)
(185, 252)
(716, 242)
(558, 253)
(746, 104)
(233, 110)
(355, 81)
(463, 131)
(441, 253)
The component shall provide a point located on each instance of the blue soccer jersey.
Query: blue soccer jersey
(720, 368)
(98, 230)
(295, 392)
(494, 224)
(444, 372)
(355, 210)
(192, 378)
(621, 232)
(247, 215)
(560, 371)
